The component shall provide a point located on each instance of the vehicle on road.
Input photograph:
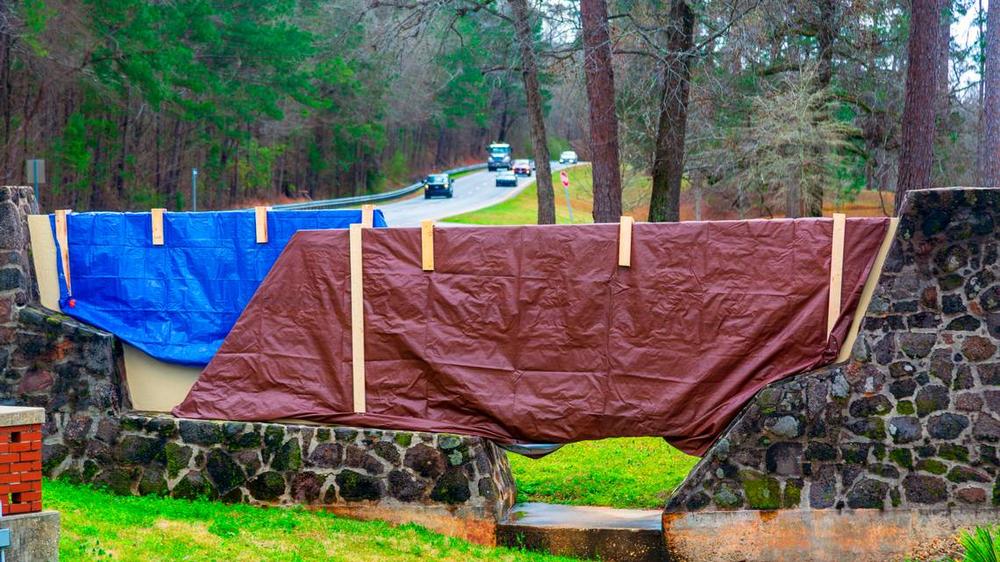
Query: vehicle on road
(522, 168)
(568, 157)
(439, 184)
(506, 179)
(499, 156)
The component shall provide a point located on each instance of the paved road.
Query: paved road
(472, 191)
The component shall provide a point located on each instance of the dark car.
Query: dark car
(438, 184)
(506, 179)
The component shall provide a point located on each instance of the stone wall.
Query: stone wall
(913, 419)
(456, 485)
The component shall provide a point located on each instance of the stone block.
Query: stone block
(34, 537)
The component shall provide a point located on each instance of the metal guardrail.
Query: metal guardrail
(359, 199)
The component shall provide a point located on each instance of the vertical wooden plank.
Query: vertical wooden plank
(836, 271)
(62, 237)
(367, 216)
(357, 321)
(156, 216)
(868, 291)
(625, 242)
(427, 245)
(260, 216)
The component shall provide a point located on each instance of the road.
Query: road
(472, 191)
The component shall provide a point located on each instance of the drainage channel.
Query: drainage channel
(613, 535)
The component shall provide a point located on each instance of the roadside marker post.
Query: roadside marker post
(194, 189)
(35, 174)
(565, 181)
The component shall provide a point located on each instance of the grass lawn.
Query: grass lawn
(523, 208)
(636, 189)
(99, 526)
(626, 473)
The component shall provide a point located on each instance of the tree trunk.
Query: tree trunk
(668, 159)
(826, 35)
(793, 199)
(828, 30)
(603, 120)
(533, 93)
(917, 146)
(696, 182)
(989, 140)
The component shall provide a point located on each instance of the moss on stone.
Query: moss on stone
(288, 457)
(902, 457)
(404, 439)
(726, 498)
(177, 457)
(792, 496)
(762, 492)
(905, 407)
(932, 465)
(879, 451)
(952, 452)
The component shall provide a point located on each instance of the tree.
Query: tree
(603, 119)
(989, 140)
(791, 147)
(533, 94)
(921, 101)
(668, 158)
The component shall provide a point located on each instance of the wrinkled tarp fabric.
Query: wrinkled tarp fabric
(535, 334)
(177, 301)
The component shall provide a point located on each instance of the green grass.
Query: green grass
(523, 208)
(99, 526)
(626, 473)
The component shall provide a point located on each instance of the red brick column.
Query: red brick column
(20, 459)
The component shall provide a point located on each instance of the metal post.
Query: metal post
(194, 189)
(564, 177)
(569, 205)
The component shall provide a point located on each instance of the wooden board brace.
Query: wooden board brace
(625, 242)
(427, 245)
(836, 271)
(260, 218)
(62, 237)
(368, 216)
(868, 291)
(357, 321)
(156, 215)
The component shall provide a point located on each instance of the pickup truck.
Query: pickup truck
(439, 184)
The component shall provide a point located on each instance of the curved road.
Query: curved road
(472, 191)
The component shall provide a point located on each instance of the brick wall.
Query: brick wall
(21, 468)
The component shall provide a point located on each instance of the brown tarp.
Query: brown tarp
(535, 334)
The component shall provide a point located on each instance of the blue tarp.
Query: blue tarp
(177, 301)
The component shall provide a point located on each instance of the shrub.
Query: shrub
(980, 546)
